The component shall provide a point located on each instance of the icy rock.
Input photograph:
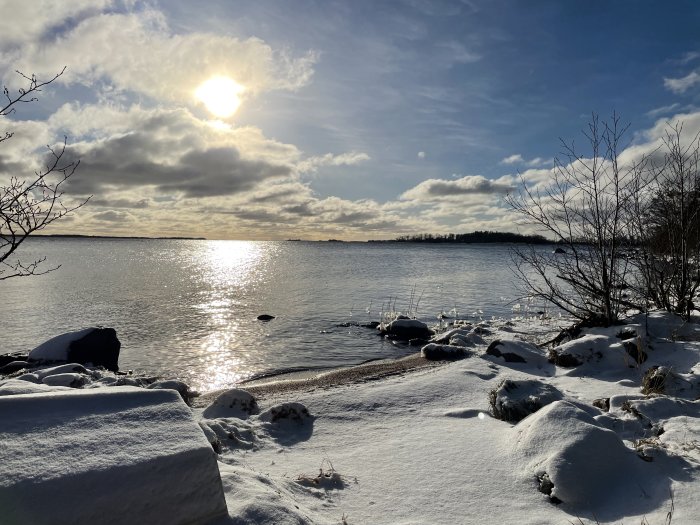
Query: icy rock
(71, 380)
(96, 346)
(179, 386)
(407, 329)
(232, 403)
(32, 378)
(108, 456)
(585, 465)
(514, 400)
(437, 352)
(61, 369)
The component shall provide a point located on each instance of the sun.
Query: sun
(220, 95)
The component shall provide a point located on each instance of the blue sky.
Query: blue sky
(358, 119)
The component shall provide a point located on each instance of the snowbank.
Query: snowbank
(109, 456)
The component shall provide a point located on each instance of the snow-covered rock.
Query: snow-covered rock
(514, 400)
(109, 456)
(14, 387)
(436, 352)
(585, 465)
(180, 387)
(232, 403)
(96, 346)
(72, 380)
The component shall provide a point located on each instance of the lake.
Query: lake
(188, 308)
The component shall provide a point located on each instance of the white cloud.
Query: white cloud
(518, 159)
(681, 85)
(139, 53)
(421, 154)
(312, 164)
(432, 190)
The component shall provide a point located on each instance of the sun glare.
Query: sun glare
(220, 95)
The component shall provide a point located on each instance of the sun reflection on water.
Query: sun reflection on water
(228, 271)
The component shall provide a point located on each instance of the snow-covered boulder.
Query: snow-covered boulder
(96, 346)
(514, 400)
(68, 368)
(108, 456)
(180, 387)
(407, 329)
(437, 352)
(71, 380)
(284, 412)
(17, 386)
(232, 403)
(580, 463)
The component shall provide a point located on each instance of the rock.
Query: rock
(265, 317)
(559, 250)
(418, 342)
(563, 360)
(61, 369)
(13, 366)
(95, 346)
(180, 387)
(9, 358)
(626, 333)
(407, 329)
(32, 378)
(68, 379)
(232, 403)
(603, 403)
(514, 400)
(371, 324)
(293, 412)
(509, 357)
(437, 352)
(634, 348)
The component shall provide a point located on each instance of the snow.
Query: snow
(112, 455)
(412, 448)
(56, 348)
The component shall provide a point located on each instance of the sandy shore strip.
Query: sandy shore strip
(314, 379)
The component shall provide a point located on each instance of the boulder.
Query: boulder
(633, 347)
(407, 329)
(265, 317)
(514, 400)
(9, 358)
(179, 386)
(13, 366)
(437, 352)
(232, 403)
(508, 357)
(95, 346)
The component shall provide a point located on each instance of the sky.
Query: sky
(351, 120)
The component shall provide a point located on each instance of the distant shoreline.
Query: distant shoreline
(70, 236)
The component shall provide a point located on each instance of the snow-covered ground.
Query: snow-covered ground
(424, 447)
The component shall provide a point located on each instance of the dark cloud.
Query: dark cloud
(435, 189)
(120, 203)
(139, 159)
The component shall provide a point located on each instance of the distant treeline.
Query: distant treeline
(475, 237)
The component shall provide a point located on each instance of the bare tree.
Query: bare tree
(29, 205)
(583, 209)
(667, 224)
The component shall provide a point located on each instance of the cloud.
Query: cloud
(113, 216)
(681, 85)
(154, 61)
(421, 154)
(518, 159)
(656, 112)
(312, 164)
(438, 189)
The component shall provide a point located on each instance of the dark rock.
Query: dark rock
(418, 342)
(372, 324)
(13, 366)
(346, 324)
(99, 347)
(559, 250)
(509, 357)
(9, 358)
(514, 400)
(265, 317)
(563, 360)
(633, 348)
(603, 403)
(626, 333)
(407, 329)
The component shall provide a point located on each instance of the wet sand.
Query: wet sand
(312, 380)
